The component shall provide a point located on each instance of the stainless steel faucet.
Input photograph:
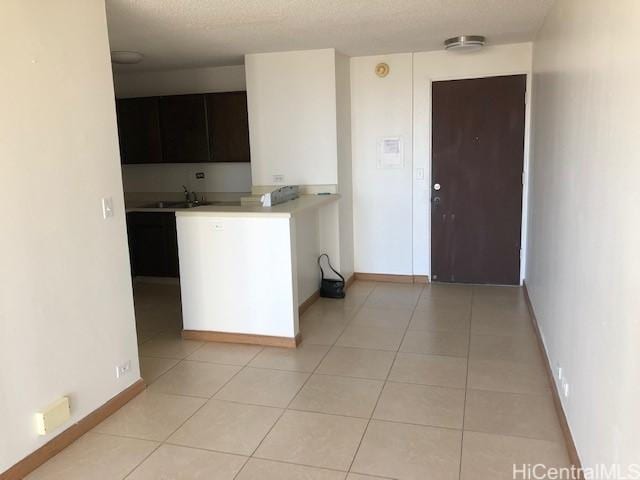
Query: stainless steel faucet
(189, 197)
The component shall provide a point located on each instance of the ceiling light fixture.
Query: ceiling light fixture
(465, 43)
(126, 58)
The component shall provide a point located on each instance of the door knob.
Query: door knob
(436, 186)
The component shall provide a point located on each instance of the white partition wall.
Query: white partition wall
(237, 275)
(66, 307)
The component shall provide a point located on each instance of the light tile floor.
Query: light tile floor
(396, 381)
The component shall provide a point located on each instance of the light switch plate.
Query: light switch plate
(107, 207)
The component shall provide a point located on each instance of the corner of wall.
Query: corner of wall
(345, 174)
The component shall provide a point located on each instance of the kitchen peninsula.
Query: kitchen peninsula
(245, 270)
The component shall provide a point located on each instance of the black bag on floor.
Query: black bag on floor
(330, 288)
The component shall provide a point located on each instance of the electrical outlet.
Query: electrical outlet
(199, 175)
(277, 179)
(123, 369)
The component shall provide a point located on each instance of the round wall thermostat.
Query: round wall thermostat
(382, 70)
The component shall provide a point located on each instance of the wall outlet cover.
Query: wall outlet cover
(54, 415)
(277, 179)
(199, 175)
(123, 369)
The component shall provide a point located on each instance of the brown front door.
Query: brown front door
(476, 191)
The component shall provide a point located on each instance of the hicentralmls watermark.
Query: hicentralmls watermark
(539, 471)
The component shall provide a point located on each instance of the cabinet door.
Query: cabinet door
(153, 247)
(183, 124)
(228, 123)
(139, 130)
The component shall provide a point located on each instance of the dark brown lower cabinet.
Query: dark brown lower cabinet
(153, 244)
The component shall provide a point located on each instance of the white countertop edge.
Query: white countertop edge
(284, 210)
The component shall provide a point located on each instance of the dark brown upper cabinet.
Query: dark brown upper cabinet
(228, 123)
(183, 123)
(139, 130)
(192, 128)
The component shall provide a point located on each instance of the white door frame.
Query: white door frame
(525, 167)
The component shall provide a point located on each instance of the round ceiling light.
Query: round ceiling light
(126, 58)
(465, 42)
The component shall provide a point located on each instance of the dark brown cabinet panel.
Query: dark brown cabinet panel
(228, 124)
(153, 244)
(192, 128)
(139, 130)
(183, 124)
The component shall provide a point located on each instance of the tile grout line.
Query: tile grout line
(314, 372)
(288, 408)
(285, 409)
(466, 382)
(164, 442)
(384, 384)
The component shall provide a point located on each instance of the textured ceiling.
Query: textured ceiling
(192, 33)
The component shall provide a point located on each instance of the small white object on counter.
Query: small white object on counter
(279, 195)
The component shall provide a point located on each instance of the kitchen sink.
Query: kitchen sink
(163, 204)
(173, 204)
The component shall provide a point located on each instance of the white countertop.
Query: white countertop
(286, 209)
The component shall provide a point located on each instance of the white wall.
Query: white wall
(392, 207)
(381, 107)
(307, 249)
(442, 65)
(219, 177)
(345, 175)
(300, 127)
(292, 117)
(66, 307)
(176, 82)
(582, 273)
(251, 287)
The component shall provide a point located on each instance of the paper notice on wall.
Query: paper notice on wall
(390, 153)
